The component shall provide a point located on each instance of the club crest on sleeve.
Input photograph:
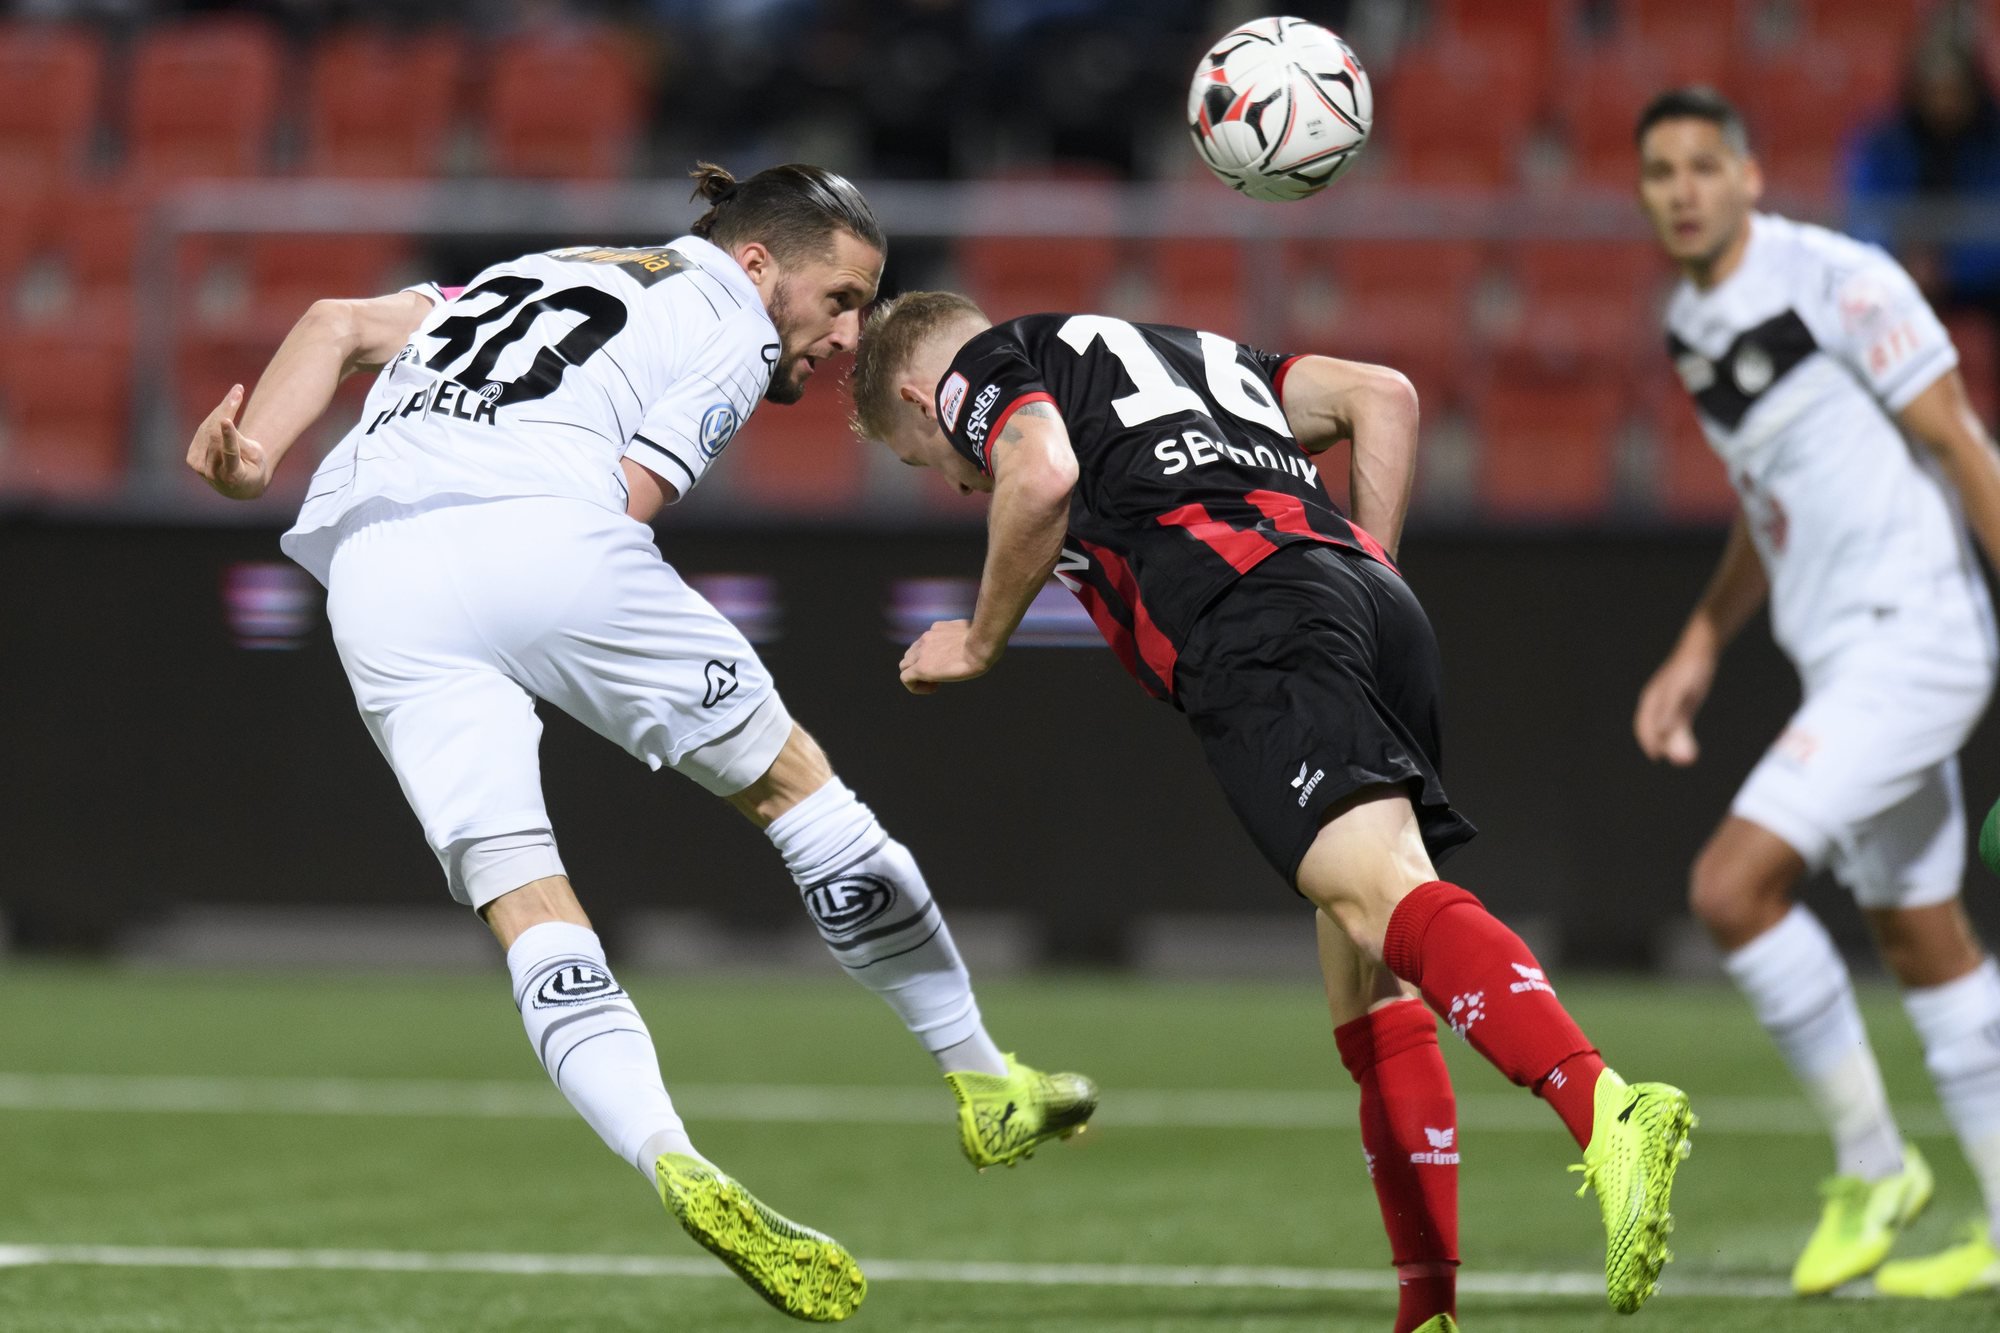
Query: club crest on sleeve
(844, 905)
(718, 427)
(951, 399)
(575, 983)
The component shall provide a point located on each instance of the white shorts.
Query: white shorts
(452, 619)
(1864, 779)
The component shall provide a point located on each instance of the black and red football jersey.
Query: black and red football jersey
(1188, 472)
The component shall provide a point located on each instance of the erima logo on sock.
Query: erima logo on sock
(575, 983)
(1441, 1151)
(843, 906)
(1532, 978)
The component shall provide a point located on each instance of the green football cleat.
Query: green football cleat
(1989, 839)
(804, 1273)
(1004, 1118)
(1858, 1226)
(1638, 1139)
(1972, 1265)
(1437, 1323)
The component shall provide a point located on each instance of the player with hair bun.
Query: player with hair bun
(476, 535)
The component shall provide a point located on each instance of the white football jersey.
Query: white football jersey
(544, 372)
(1797, 363)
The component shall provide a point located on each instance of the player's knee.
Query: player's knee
(800, 769)
(1732, 905)
(484, 869)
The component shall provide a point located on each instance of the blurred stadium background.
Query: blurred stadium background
(177, 183)
(187, 783)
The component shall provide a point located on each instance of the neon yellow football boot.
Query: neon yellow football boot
(1972, 1265)
(804, 1273)
(1638, 1139)
(1858, 1225)
(1004, 1118)
(1438, 1323)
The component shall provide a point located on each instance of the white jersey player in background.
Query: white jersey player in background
(1832, 394)
(472, 531)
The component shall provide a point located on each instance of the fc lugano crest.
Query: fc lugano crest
(575, 983)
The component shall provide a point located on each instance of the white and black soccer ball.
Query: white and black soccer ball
(1279, 108)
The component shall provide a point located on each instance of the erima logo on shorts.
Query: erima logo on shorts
(721, 678)
(1304, 785)
(843, 906)
(951, 399)
(575, 983)
(718, 427)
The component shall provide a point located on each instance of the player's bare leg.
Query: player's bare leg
(871, 905)
(1742, 889)
(596, 1048)
(1368, 870)
(1409, 1121)
(1951, 989)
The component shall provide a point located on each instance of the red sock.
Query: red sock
(1409, 1131)
(1488, 986)
(1571, 1088)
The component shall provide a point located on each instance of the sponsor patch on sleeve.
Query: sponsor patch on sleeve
(718, 427)
(951, 399)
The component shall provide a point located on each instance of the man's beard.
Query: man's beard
(783, 389)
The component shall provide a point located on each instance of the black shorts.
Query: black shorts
(1316, 675)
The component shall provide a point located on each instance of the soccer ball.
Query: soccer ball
(1279, 108)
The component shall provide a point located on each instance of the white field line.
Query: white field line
(1124, 1108)
(1583, 1285)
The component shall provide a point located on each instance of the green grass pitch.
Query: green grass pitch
(205, 1113)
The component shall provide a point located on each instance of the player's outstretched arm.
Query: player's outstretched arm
(1943, 420)
(1328, 400)
(1664, 721)
(331, 341)
(1034, 471)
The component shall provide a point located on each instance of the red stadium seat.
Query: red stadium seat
(1587, 303)
(99, 231)
(801, 457)
(1693, 485)
(1200, 283)
(1540, 27)
(203, 100)
(1547, 448)
(563, 105)
(1405, 304)
(1805, 104)
(287, 273)
(21, 229)
(1603, 92)
(1459, 113)
(65, 392)
(52, 76)
(382, 103)
(1683, 22)
(1876, 30)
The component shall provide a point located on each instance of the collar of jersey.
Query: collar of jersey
(719, 264)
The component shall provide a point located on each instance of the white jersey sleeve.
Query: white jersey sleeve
(1875, 322)
(692, 423)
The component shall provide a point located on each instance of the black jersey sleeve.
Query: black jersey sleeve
(1273, 366)
(990, 377)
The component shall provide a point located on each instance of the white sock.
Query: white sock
(864, 892)
(593, 1042)
(1959, 1025)
(1799, 988)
